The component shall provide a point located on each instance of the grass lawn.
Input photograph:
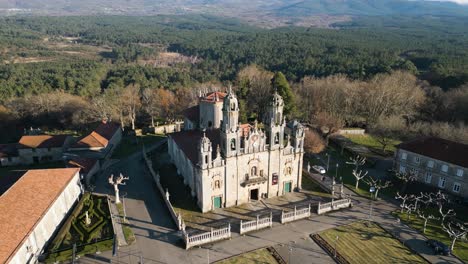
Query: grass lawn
(435, 231)
(87, 238)
(253, 257)
(132, 144)
(359, 243)
(128, 233)
(372, 143)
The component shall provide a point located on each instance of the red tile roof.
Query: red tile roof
(99, 138)
(188, 142)
(85, 164)
(26, 202)
(8, 150)
(42, 141)
(213, 97)
(440, 149)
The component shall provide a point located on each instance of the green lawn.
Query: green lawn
(132, 144)
(87, 238)
(372, 143)
(259, 256)
(128, 233)
(309, 185)
(360, 243)
(435, 231)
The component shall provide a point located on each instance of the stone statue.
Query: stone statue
(87, 219)
(118, 181)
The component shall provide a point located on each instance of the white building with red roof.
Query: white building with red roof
(226, 163)
(32, 210)
(104, 139)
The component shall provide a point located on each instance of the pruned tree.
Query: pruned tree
(426, 217)
(378, 184)
(406, 177)
(357, 161)
(359, 175)
(404, 199)
(449, 213)
(455, 231)
(409, 208)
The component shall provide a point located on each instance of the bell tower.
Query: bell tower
(230, 142)
(275, 121)
(205, 151)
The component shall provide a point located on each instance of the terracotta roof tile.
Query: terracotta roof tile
(99, 138)
(213, 97)
(85, 164)
(42, 141)
(25, 203)
(440, 149)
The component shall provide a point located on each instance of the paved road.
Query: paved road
(158, 242)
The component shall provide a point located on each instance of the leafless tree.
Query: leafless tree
(150, 104)
(356, 161)
(449, 213)
(426, 217)
(406, 177)
(378, 184)
(403, 199)
(386, 129)
(455, 231)
(328, 123)
(359, 175)
(131, 101)
(313, 142)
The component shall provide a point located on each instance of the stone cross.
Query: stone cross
(118, 181)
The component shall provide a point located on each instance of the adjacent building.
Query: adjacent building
(9, 155)
(32, 210)
(104, 139)
(88, 167)
(226, 163)
(42, 148)
(437, 162)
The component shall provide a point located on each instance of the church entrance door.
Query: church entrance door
(287, 187)
(254, 194)
(217, 202)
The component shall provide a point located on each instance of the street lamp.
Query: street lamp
(328, 161)
(371, 190)
(336, 242)
(123, 205)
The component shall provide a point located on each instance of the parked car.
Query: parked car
(439, 247)
(319, 169)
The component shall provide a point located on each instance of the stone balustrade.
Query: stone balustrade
(257, 224)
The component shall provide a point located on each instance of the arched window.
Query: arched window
(206, 159)
(253, 171)
(233, 106)
(277, 138)
(210, 124)
(217, 184)
(233, 144)
(288, 171)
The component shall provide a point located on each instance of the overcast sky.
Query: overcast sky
(465, 2)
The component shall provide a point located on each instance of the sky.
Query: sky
(464, 2)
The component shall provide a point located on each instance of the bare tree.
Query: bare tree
(403, 199)
(328, 123)
(455, 231)
(405, 177)
(150, 104)
(356, 161)
(386, 129)
(359, 175)
(313, 142)
(131, 101)
(378, 184)
(449, 213)
(426, 217)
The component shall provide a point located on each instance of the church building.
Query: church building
(226, 163)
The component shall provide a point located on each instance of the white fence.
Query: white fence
(256, 224)
(295, 215)
(165, 194)
(208, 237)
(333, 205)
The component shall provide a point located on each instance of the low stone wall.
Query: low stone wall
(177, 218)
(352, 131)
(257, 224)
(333, 206)
(208, 237)
(295, 215)
(167, 128)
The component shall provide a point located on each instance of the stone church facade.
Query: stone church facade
(226, 163)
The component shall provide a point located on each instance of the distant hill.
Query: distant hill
(252, 10)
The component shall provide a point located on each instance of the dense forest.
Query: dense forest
(98, 57)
